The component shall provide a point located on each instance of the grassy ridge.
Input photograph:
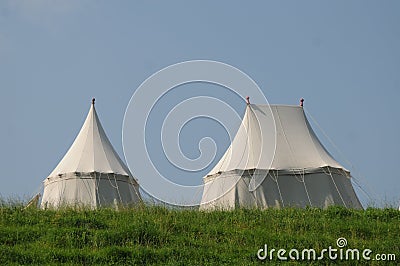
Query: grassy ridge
(156, 235)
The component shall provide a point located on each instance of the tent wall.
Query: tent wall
(91, 190)
(317, 188)
(230, 190)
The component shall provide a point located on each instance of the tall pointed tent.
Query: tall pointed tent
(91, 174)
(276, 160)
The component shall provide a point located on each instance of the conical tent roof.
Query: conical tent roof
(275, 137)
(91, 151)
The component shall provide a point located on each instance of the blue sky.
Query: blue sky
(343, 57)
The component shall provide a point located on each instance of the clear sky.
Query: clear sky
(343, 57)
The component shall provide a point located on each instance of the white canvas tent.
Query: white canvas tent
(91, 174)
(276, 160)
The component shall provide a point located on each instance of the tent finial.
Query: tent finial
(248, 99)
(93, 100)
(301, 102)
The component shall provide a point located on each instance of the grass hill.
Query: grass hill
(161, 236)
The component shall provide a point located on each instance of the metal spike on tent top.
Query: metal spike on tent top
(93, 100)
(248, 99)
(301, 102)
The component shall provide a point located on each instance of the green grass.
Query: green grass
(161, 236)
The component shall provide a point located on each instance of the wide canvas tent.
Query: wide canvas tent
(91, 174)
(276, 160)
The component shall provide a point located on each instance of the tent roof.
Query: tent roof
(254, 146)
(91, 151)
